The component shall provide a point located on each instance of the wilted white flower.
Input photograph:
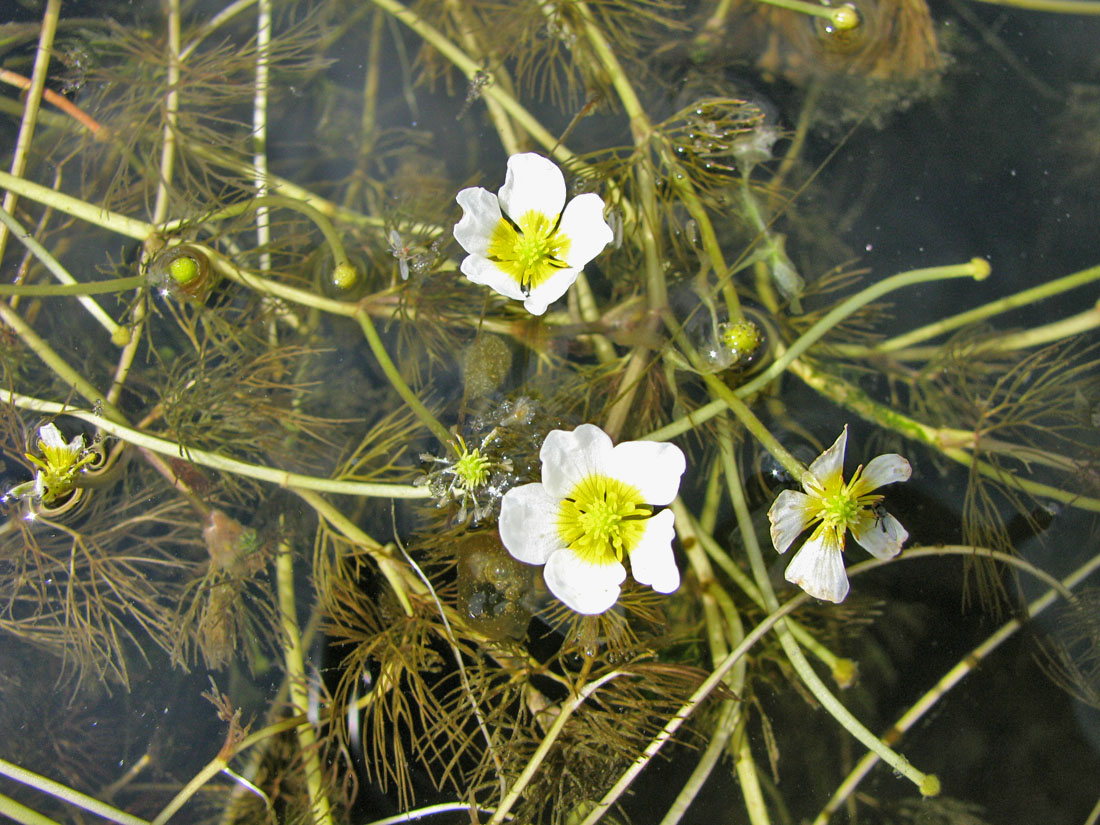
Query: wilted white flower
(58, 467)
(837, 507)
(521, 242)
(592, 510)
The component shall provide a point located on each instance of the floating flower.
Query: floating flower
(837, 507)
(592, 509)
(521, 241)
(58, 468)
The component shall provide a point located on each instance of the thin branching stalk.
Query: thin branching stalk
(25, 137)
(967, 664)
(294, 660)
(928, 784)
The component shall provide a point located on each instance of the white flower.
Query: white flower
(837, 507)
(521, 241)
(590, 511)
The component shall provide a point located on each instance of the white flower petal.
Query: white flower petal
(567, 457)
(831, 462)
(882, 538)
(528, 523)
(586, 588)
(652, 562)
(51, 436)
(533, 183)
(653, 467)
(550, 290)
(480, 217)
(789, 515)
(583, 223)
(818, 568)
(483, 271)
(885, 469)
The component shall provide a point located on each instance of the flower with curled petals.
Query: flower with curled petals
(526, 242)
(837, 507)
(593, 509)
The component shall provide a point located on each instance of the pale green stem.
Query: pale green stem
(398, 383)
(308, 750)
(928, 784)
(730, 715)
(208, 772)
(755, 426)
(470, 68)
(213, 24)
(1070, 327)
(688, 708)
(564, 713)
(724, 728)
(67, 794)
(1017, 300)
(949, 442)
(77, 288)
(61, 274)
(350, 531)
(1052, 6)
(55, 362)
(831, 13)
(332, 238)
(965, 665)
(977, 269)
(33, 100)
(508, 139)
(90, 213)
(215, 461)
(842, 668)
(22, 814)
(259, 127)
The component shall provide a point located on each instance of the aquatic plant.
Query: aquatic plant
(355, 533)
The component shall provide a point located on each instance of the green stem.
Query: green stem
(350, 531)
(834, 14)
(22, 814)
(58, 271)
(320, 809)
(928, 784)
(688, 708)
(398, 383)
(1017, 300)
(1052, 6)
(332, 238)
(755, 426)
(977, 269)
(470, 68)
(566, 711)
(209, 771)
(67, 794)
(967, 664)
(948, 442)
(74, 288)
(282, 478)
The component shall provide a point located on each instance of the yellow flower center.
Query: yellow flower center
(529, 250)
(841, 506)
(472, 469)
(601, 518)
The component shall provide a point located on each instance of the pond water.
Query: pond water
(304, 518)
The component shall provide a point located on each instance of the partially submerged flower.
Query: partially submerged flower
(522, 242)
(592, 510)
(837, 507)
(58, 468)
